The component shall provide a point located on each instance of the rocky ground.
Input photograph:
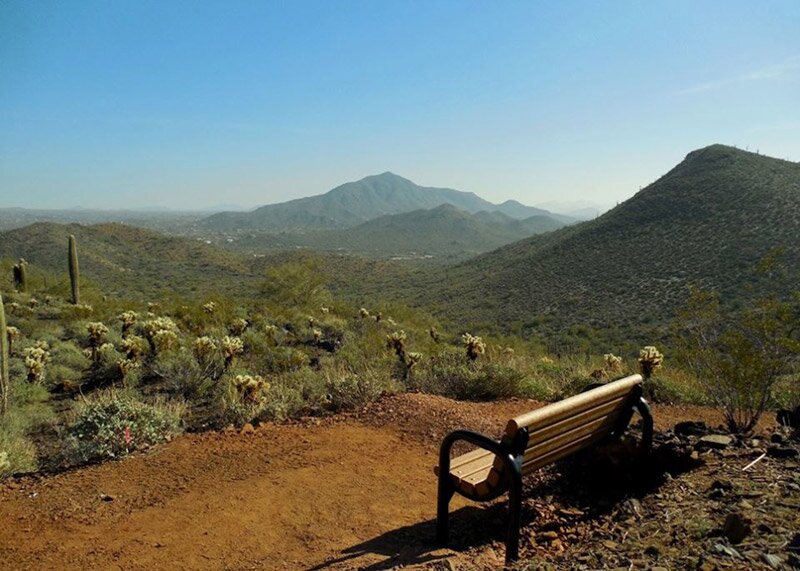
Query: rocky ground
(357, 491)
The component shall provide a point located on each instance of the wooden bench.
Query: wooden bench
(533, 440)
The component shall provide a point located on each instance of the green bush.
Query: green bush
(351, 387)
(17, 452)
(115, 423)
(450, 374)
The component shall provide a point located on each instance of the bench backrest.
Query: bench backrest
(559, 429)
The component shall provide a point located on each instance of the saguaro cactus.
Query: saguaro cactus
(21, 276)
(4, 355)
(74, 274)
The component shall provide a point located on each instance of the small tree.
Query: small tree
(738, 360)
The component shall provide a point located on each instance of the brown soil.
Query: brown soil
(352, 491)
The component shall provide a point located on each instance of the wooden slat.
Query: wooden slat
(459, 461)
(571, 422)
(558, 454)
(573, 405)
(604, 425)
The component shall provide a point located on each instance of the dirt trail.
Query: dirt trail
(347, 492)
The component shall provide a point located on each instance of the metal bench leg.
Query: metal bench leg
(443, 506)
(514, 515)
(643, 409)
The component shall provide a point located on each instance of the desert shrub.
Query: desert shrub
(351, 387)
(739, 359)
(451, 375)
(17, 452)
(114, 423)
(67, 354)
(183, 372)
(280, 359)
(241, 397)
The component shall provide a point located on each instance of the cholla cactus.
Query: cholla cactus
(363, 313)
(126, 366)
(325, 310)
(397, 342)
(82, 309)
(153, 307)
(251, 388)
(134, 347)
(434, 334)
(11, 334)
(128, 319)
(153, 327)
(546, 360)
(412, 358)
(203, 348)
(210, 307)
(475, 345)
(33, 302)
(378, 317)
(36, 359)
(238, 326)
(613, 363)
(311, 320)
(97, 333)
(317, 335)
(271, 332)
(231, 348)
(165, 340)
(650, 361)
(5, 464)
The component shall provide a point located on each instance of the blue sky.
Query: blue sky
(191, 104)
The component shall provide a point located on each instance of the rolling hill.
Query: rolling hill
(443, 233)
(122, 258)
(356, 202)
(708, 221)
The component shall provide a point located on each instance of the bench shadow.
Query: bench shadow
(617, 474)
(470, 526)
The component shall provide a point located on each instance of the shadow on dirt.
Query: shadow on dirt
(593, 483)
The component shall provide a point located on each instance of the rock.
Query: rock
(736, 527)
(794, 544)
(772, 560)
(652, 551)
(715, 441)
(248, 429)
(691, 428)
(721, 549)
(777, 438)
(106, 497)
(725, 485)
(782, 452)
(547, 535)
(632, 507)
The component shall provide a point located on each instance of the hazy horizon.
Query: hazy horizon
(152, 105)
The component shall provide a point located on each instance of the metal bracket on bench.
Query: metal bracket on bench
(512, 454)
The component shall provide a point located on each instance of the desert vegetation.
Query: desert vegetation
(87, 376)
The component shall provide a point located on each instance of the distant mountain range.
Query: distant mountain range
(444, 232)
(707, 222)
(354, 203)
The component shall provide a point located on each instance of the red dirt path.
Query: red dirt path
(352, 491)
